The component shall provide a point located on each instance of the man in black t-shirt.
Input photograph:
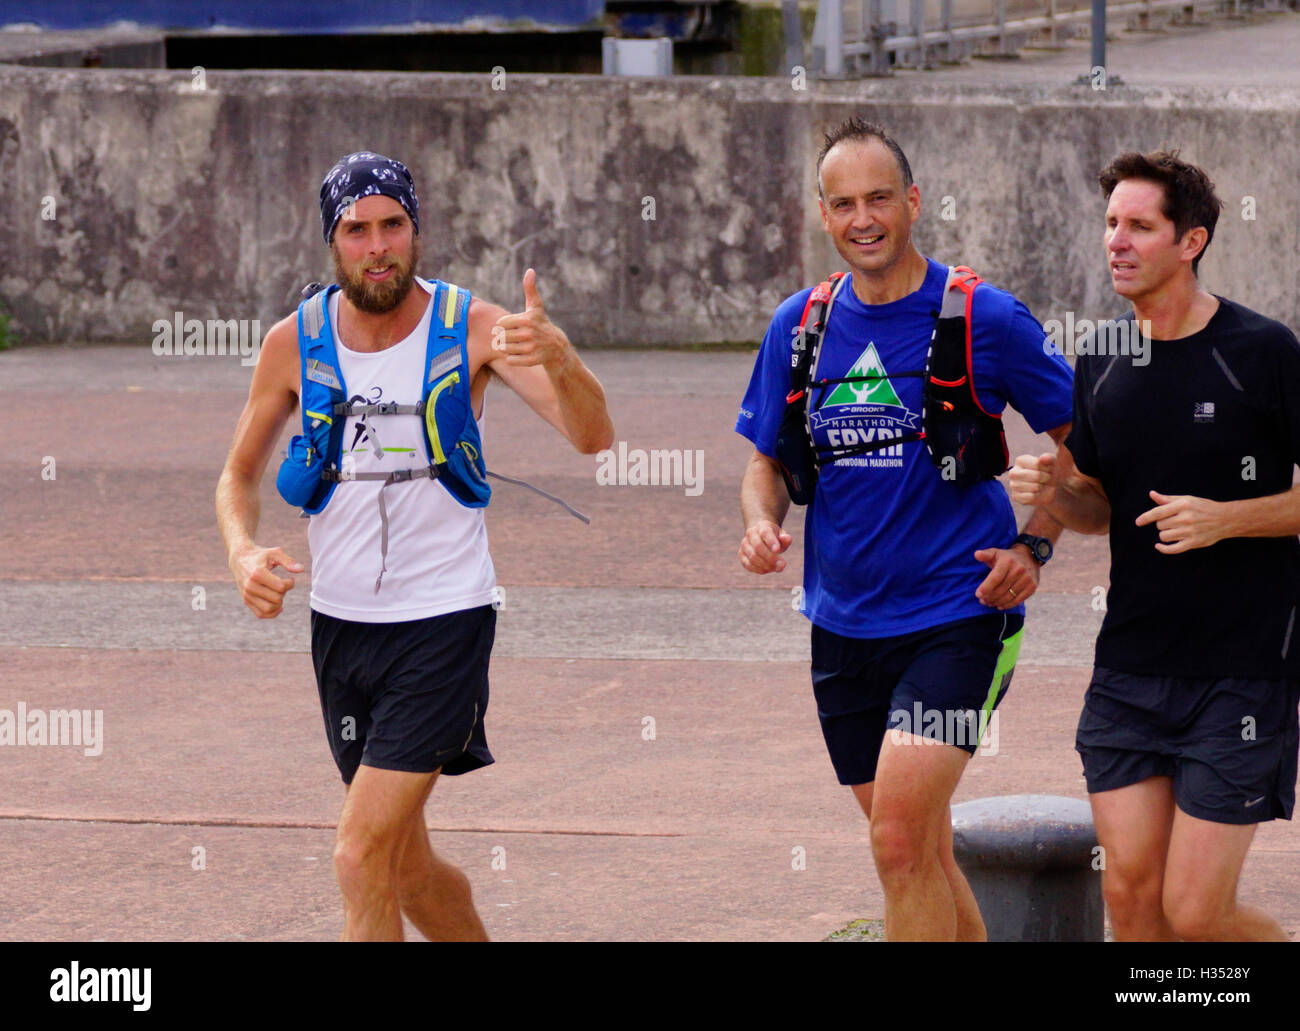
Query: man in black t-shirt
(1183, 451)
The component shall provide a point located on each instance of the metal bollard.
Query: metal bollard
(1032, 863)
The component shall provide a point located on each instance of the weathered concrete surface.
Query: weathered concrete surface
(168, 199)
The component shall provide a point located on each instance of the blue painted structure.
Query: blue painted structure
(296, 16)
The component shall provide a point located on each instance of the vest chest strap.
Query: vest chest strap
(396, 476)
(385, 408)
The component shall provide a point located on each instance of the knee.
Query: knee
(361, 861)
(1192, 919)
(900, 847)
(1131, 891)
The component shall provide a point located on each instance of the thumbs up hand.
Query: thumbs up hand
(529, 337)
(532, 296)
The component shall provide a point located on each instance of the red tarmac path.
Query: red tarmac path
(583, 829)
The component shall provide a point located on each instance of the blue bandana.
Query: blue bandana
(365, 174)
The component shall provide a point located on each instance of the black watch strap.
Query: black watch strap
(1039, 547)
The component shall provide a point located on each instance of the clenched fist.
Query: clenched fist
(261, 590)
(760, 551)
(1033, 480)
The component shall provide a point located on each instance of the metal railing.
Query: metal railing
(854, 38)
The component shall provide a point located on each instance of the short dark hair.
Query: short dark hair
(860, 129)
(1189, 197)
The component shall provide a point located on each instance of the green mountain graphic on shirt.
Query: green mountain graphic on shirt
(866, 392)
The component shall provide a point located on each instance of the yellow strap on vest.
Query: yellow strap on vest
(449, 309)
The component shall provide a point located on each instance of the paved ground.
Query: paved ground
(1254, 51)
(114, 596)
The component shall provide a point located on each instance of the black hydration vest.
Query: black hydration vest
(966, 443)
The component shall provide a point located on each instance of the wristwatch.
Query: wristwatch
(1039, 547)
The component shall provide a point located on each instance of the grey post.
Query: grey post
(1099, 48)
(1034, 866)
(834, 37)
(947, 51)
(1098, 34)
(793, 35)
(921, 56)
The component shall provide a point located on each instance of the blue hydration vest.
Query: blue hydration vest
(967, 442)
(313, 468)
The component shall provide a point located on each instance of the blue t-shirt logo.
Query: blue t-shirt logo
(863, 412)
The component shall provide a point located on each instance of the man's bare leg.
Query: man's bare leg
(1134, 825)
(1200, 884)
(373, 828)
(911, 828)
(433, 894)
(970, 925)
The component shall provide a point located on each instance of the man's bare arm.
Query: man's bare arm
(1041, 522)
(534, 357)
(764, 503)
(1187, 522)
(272, 398)
(1054, 484)
(1014, 572)
(1277, 515)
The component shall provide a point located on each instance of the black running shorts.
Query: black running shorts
(1229, 744)
(941, 685)
(405, 696)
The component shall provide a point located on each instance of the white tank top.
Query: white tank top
(438, 557)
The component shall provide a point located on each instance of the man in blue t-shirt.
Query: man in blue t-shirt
(915, 585)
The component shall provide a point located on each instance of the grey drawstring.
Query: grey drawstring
(397, 476)
(549, 497)
(430, 471)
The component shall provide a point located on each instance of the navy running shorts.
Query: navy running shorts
(405, 696)
(1230, 744)
(941, 684)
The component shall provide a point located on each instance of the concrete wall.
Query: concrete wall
(170, 199)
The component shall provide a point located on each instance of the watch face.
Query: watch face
(1039, 547)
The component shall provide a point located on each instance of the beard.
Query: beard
(378, 298)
